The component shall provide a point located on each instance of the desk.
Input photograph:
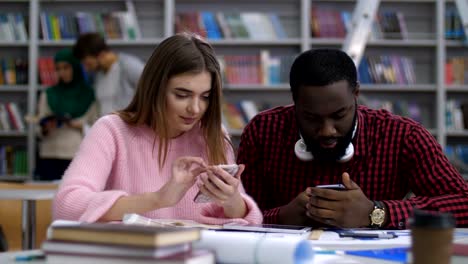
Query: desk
(28, 221)
(9, 258)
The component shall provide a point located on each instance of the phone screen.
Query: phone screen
(336, 187)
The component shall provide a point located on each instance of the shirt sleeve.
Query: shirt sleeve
(250, 155)
(81, 195)
(133, 69)
(437, 185)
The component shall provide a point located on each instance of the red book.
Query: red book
(448, 73)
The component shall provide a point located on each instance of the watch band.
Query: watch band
(378, 204)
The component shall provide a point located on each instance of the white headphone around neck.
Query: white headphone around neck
(300, 149)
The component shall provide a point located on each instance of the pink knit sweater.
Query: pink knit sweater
(116, 160)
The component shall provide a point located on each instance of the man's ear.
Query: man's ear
(356, 91)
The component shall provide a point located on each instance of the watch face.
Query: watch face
(378, 216)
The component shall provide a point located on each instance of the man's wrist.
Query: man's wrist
(282, 215)
(367, 220)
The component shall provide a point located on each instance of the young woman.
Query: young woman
(63, 110)
(152, 157)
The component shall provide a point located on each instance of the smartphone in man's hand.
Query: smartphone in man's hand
(336, 187)
(232, 169)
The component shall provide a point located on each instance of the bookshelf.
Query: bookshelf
(425, 25)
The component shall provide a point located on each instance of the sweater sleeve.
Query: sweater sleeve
(81, 195)
(214, 213)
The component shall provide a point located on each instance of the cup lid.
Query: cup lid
(430, 219)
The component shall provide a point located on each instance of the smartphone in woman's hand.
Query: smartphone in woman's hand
(232, 169)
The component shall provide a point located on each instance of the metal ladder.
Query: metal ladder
(361, 25)
(462, 6)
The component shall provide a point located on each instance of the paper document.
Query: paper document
(251, 247)
(332, 240)
(141, 220)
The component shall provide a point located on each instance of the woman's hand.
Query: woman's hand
(185, 171)
(49, 126)
(75, 124)
(223, 188)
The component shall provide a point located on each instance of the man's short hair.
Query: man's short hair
(320, 67)
(89, 44)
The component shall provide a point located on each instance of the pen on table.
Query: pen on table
(29, 257)
(368, 235)
(325, 252)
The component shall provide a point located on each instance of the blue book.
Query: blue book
(212, 29)
(279, 29)
(377, 256)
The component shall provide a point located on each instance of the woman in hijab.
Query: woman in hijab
(65, 109)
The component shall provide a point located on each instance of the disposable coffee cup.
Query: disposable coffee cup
(432, 234)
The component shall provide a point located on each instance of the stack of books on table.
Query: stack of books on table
(118, 243)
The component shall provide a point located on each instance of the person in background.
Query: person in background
(115, 75)
(63, 111)
(327, 138)
(152, 157)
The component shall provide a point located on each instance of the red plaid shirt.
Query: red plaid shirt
(393, 155)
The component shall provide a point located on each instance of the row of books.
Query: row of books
(219, 25)
(331, 23)
(456, 115)
(112, 25)
(13, 161)
(256, 69)
(456, 70)
(458, 156)
(13, 27)
(13, 71)
(264, 69)
(387, 69)
(11, 117)
(236, 115)
(453, 25)
(406, 108)
(123, 243)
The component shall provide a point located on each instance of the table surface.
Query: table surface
(9, 258)
(27, 194)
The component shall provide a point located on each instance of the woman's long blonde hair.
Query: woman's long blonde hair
(181, 53)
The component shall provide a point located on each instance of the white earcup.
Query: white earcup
(300, 149)
(349, 153)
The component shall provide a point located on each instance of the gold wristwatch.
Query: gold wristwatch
(377, 216)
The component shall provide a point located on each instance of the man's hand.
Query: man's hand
(294, 213)
(349, 208)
